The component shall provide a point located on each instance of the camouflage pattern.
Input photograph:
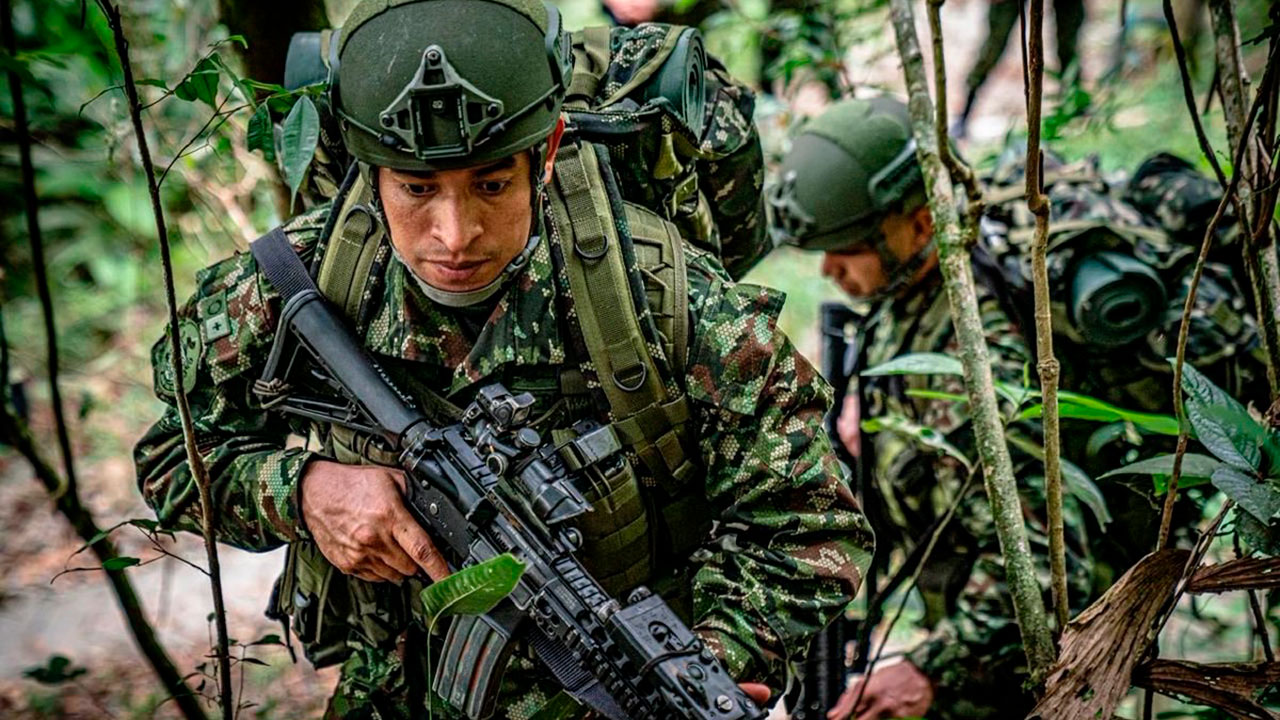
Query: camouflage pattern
(973, 650)
(788, 546)
(924, 460)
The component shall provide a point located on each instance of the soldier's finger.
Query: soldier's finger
(415, 541)
(876, 710)
(379, 571)
(399, 560)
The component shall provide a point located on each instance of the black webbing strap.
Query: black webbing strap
(282, 266)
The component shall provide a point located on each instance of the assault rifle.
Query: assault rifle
(489, 485)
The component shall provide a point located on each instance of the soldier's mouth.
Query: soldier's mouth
(454, 272)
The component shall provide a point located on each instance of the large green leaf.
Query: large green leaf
(918, 364)
(473, 590)
(1259, 499)
(1194, 466)
(925, 436)
(1082, 407)
(298, 145)
(1221, 423)
(262, 133)
(201, 84)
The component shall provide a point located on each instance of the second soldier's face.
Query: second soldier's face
(860, 271)
(458, 229)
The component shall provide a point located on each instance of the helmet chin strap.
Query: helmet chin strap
(899, 272)
(469, 298)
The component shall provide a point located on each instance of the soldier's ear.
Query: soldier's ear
(553, 145)
(922, 225)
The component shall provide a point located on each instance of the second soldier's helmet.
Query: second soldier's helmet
(425, 85)
(846, 170)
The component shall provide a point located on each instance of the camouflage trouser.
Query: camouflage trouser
(391, 683)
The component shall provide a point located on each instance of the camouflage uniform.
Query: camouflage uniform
(973, 651)
(787, 544)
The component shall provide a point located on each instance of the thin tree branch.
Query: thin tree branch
(1189, 94)
(1047, 362)
(960, 172)
(1237, 172)
(955, 264)
(195, 461)
(31, 202)
(14, 432)
(1259, 619)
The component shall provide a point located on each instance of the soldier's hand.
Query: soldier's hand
(357, 517)
(849, 424)
(894, 691)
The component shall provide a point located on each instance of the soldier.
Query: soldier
(730, 504)
(851, 187)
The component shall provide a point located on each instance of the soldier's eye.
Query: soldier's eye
(415, 189)
(493, 187)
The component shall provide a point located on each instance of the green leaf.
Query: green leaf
(262, 133)
(1257, 535)
(1078, 483)
(1082, 407)
(120, 563)
(254, 661)
(301, 134)
(201, 84)
(269, 639)
(1194, 466)
(153, 82)
(1221, 423)
(1259, 499)
(57, 670)
(918, 364)
(473, 590)
(925, 394)
(925, 436)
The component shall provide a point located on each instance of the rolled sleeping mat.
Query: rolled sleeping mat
(1115, 298)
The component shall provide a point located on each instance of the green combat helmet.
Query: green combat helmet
(420, 87)
(847, 169)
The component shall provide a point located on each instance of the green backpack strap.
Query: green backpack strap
(351, 250)
(647, 418)
(591, 52)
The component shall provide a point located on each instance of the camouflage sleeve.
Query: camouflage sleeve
(226, 330)
(789, 544)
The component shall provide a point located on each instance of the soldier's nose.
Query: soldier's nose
(455, 226)
(831, 267)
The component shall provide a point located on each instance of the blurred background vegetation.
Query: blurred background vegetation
(104, 263)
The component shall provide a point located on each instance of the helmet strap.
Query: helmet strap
(900, 273)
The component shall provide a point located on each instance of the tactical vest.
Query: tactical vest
(624, 265)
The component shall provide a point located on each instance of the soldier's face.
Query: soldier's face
(860, 271)
(458, 229)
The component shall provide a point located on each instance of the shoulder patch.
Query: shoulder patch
(192, 350)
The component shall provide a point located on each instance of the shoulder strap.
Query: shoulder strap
(646, 417)
(660, 256)
(351, 250)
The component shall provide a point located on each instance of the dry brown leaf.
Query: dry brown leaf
(1242, 574)
(1103, 644)
(1228, 686)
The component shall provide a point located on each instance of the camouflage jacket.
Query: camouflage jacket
(922, 451)
(788, 544)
